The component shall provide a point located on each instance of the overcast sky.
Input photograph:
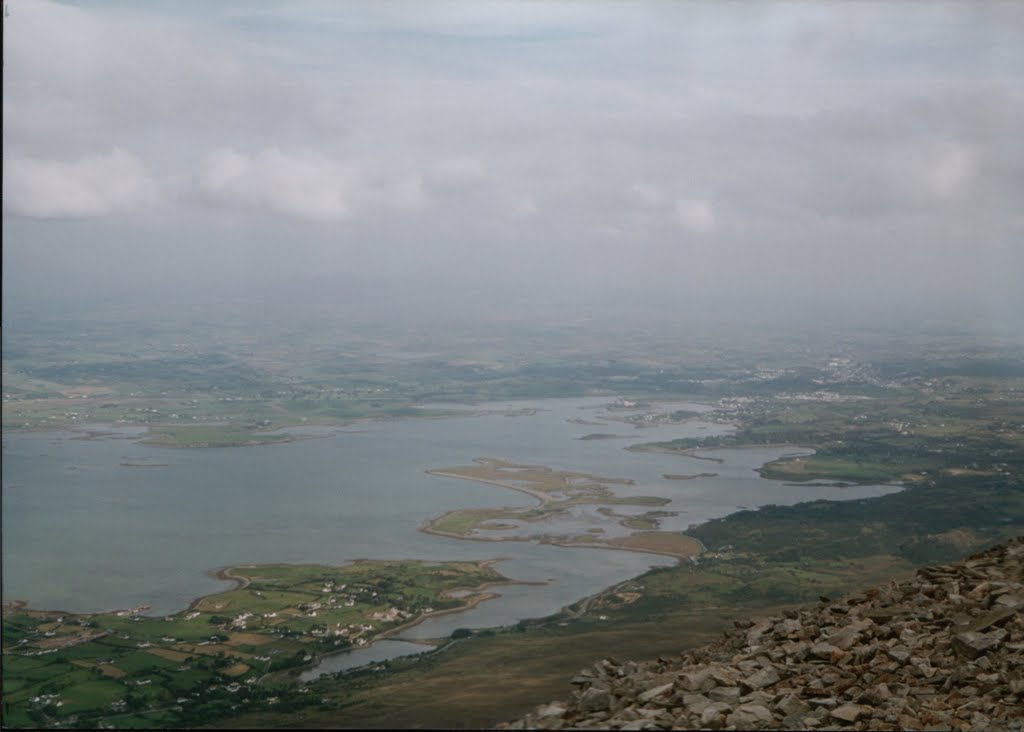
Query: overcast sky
(861, 151)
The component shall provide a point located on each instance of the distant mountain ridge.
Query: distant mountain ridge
(943, 651)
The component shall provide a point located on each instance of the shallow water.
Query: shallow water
(81, 532)
(382, 650)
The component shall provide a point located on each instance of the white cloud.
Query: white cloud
(695, 216)
(90, 186)
(308, 185)
(303, 185)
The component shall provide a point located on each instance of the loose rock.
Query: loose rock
(944, 650)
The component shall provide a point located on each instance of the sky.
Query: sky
(860, 153)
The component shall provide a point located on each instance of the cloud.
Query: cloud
(522, 207)
(303, 185)
(456, 172)
(646, 196)
(97, 185)
(953, 166)
(695, 216)
(407, 194)
(311, 186)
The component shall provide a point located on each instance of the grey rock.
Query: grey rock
(759, 711)
(715, 712)
(850, 712)
(791, 705)
(823, 651)
(944, 650)
(1012, 601)
(594, 699)
(724, 694)
(655, 692)
(973, 644)
(761, 679)
(696, 680)
(738, 719)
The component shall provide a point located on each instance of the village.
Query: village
(247, 644)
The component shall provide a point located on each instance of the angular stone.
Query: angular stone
(723, 677)
(973, 644)
(761, 679)
(823, 651)
(850, 712)
(696, 680)
(899, 655)
(738, 719)
(993, 619)
(757, 697)
(759, 711)
(724, 694)
(655, 692)
(627, 715)
(594, 699)
(696, 703)
(792, 704)
(788, 628)
(714, 713)
(1011, 600)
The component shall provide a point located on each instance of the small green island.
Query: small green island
(242, 648)
(556, 492)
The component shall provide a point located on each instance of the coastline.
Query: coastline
(115, 430)
(543, 498)
(550, 541)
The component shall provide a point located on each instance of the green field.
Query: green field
(129, 670)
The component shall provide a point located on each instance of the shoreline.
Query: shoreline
(692, 451)
(426, 529)
(543, 498)
(79, 432)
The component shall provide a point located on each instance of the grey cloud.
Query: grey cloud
(642, 139)
(96, 185)
(308, 185)
(305, 185)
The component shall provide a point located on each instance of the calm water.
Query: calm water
(83, 533)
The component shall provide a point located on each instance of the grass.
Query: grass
(211, 436)
(825, 467)
(463, 522)
(177, 662)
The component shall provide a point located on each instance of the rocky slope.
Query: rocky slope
(943, 651)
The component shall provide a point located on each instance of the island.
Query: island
(557, 491)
